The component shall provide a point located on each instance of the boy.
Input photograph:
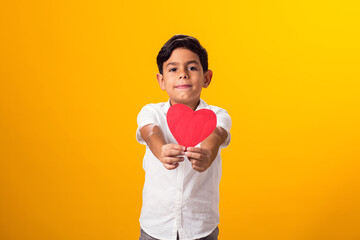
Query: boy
(181, 190)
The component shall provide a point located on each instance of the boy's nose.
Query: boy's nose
(183, 76)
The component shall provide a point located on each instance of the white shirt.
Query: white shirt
(181, 200)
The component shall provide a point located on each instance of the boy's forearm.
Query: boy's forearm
(154, 138)
(214, 140)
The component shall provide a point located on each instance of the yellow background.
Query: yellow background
(74, 75)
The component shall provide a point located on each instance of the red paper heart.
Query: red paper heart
(189, 127)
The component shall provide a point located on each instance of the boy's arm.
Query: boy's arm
(202, 157)
(168, 154)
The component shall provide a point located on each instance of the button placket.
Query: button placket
(179, 196)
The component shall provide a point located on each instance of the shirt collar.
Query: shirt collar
(201, 105)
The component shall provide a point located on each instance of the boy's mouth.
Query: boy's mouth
(182, 86)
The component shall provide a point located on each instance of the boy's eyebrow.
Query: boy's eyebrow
(192, 61)
(187, 63)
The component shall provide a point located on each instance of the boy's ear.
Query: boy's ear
(160, 79)
(207, 78)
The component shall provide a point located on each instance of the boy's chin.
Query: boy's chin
(185, 101)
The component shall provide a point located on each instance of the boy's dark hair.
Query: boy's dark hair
(182, 41)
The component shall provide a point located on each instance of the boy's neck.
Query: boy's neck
(192, 105)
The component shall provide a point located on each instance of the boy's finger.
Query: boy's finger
(173, 152)
(193, 155)
(199, 169)
(171, 166)
(195, 162)
(195, 149)
(172, 160)
(177, 147)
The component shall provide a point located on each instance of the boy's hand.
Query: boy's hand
(200, 158)
(170, 155)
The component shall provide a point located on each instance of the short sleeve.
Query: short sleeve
(147, 115)
(224, 121)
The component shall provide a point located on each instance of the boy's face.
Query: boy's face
(183, 77)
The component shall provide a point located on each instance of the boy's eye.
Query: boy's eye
(193, 68)
(172, 70)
